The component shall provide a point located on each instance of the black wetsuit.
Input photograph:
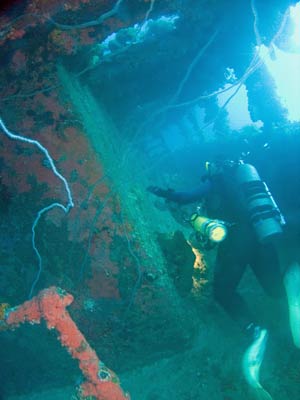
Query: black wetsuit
(240, 249)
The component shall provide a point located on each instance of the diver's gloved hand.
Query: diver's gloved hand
(165, 193)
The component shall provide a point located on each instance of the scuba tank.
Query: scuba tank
(264, 214)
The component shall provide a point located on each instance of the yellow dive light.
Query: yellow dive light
(212, 229)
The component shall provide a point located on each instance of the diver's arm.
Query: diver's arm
(182, 197)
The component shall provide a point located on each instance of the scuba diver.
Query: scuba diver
(244, 220)
(241, 205)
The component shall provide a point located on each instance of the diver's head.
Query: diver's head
(220, 166)
(213, 168)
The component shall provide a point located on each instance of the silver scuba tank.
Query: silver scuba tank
(262, 210)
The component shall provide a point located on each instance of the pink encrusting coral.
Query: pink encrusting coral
(50, 304)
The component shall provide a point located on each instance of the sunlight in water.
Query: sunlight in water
(284, 67)
(295, 15)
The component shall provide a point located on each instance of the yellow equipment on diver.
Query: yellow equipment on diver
(209, 229)
(251, 195)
